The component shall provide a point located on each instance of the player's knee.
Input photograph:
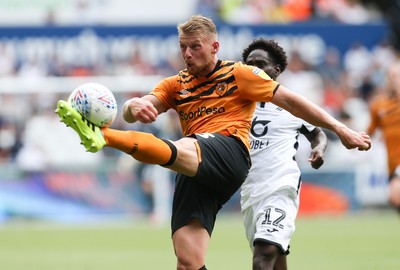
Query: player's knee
(189, 257)
(189, 253)
(186, 261)
(185, 159)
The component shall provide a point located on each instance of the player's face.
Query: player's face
(198, 53)
(260, 59)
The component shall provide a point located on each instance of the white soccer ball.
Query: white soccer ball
(95, 102)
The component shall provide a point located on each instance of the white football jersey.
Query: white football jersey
(273, 146)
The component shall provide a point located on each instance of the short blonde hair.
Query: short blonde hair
(198, 24)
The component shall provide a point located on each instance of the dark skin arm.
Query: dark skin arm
(319, 142)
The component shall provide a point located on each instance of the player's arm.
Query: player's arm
(144, 109)
(315, 115)
(318, 141)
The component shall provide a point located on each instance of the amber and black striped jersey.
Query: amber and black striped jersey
(223, 101)
(385, 115)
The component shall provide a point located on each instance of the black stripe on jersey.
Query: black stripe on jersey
(304, 130)
(225, 77)
(209, 91)
(228, 64)
(217, 66)
(185, 77)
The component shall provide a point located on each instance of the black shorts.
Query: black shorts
(224, 166)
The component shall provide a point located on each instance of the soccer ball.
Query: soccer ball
(95, 102)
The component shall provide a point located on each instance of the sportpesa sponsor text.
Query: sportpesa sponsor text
(200, 112)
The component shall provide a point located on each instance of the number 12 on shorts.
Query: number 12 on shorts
(273, 217)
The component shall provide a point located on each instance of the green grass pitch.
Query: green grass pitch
(365, 241)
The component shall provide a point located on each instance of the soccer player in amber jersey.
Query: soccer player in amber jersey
(215, 101)
(270, 194)
(385, 115)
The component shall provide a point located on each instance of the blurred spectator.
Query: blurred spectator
(210, 8)
(302, 79)
(357, 109)
(80, 71)
(171, 65)
(145, 173)
(322, 10)
(42, 149)
(384, 54)
(156, 181)
(284, 11)
(33, 68)
(390, 12)
(135, 64)
(57, 67)
(8, 61)
(15, 108)
(366, 87)
(357, 61)
(9, 140)
(298, 10)
(335, 94)
(346, 11)
(141, 66)
(245, 12)
(350, 11)
(86, 12)
(275, 12)
(331, 68)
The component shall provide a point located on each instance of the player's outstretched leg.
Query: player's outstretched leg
(90, 134)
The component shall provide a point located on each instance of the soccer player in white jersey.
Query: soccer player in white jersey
(270, 194)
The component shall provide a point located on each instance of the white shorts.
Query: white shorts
(272, 220)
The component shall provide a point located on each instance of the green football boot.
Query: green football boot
(90, 134)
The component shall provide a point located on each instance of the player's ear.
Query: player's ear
(277, 70)
(215, 47)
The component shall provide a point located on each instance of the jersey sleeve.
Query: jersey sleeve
(306, 128)
(254, 84)
(164, 91)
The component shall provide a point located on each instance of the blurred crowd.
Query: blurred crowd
(238, 11)
(285, 11)
(343, 84)
(33, 140)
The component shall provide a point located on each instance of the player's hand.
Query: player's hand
(139, 109)
(363, 142)
(367, 142)
(351, 139)
(316, 159)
